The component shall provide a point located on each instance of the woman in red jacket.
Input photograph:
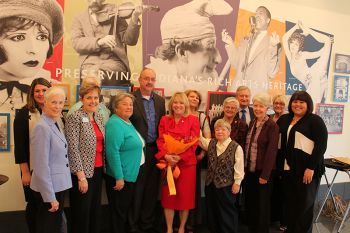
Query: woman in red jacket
(181, 126)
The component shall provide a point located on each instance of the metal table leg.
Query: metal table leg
(329, 191)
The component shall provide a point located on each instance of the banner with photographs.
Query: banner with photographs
(191, 44)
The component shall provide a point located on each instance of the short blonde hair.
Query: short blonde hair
(280, 98)
(222, 123)
(231, 100)
(263, 98)
(184, 100)
(119, 97)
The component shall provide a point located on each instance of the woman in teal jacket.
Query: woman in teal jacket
(124, 155)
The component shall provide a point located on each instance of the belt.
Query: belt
(151, 144)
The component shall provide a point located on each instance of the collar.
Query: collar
(225, 143)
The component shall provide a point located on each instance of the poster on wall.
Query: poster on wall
(31, 47)
(186, 50)
(333, 117)
(341, 88)
(308, 57)
(342, 63)
(5, 132)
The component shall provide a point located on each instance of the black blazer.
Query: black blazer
(139, 118)
(306, 144)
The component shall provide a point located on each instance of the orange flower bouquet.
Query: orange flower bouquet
(174, 146)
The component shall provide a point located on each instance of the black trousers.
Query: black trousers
(49, 222)
(31, 208)
(142, 214)
(279, 198)
(222, 212)
(85, 208)
(120, 204)
(257, 203)
(300, 203)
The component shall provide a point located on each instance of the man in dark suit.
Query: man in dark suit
(245, 111)
(148, 110)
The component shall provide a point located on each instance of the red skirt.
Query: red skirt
(185, 190)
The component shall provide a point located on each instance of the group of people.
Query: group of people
(246, 152)
(245, 149)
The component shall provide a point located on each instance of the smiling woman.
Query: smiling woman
(28, 31)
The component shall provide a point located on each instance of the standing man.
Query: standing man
(245, 111)
(101, 37)
(148, 110)
(257, 57)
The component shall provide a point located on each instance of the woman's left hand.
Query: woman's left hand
(119, 184)
(235, 188)
(262, 181)
(308, 174)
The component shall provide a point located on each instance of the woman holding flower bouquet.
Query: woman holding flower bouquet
(181, 129)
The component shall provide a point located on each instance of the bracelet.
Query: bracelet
(82, 179)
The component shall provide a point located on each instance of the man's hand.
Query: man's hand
(136, 13)
(274, 39)
(107, 41)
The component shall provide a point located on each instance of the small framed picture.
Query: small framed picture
(66, 88)
(341, 88)
(342, 63)
(5, 132)
(107, 93)
(333, 117)
(215, 102)
(157, 90)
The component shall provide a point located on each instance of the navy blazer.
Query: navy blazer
(51, 172)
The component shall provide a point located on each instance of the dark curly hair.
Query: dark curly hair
(299, 38)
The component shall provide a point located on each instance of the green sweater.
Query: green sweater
(123, 149)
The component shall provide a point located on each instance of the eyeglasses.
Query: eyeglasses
(279, 103)
(153, 79)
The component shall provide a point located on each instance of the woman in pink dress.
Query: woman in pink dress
(181, 126)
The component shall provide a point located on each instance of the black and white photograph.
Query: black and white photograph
(342, 63)
(215, 102)
(333, 117)
(4, 132)
(341, 88)
(28, 35)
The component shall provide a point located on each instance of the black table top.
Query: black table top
(332, 163)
